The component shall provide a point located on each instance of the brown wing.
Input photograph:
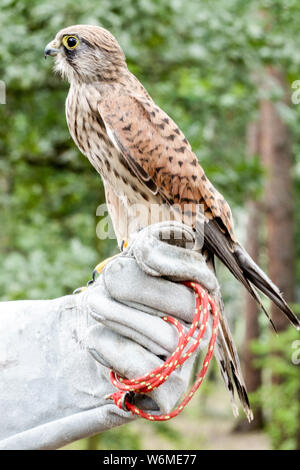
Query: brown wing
(161, 156)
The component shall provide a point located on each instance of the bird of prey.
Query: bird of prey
(144, 158)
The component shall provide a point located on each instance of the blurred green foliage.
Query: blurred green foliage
(198, 60)
(281, 355)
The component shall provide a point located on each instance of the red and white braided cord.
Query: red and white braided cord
(158, 376)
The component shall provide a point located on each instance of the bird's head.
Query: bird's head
(86, 53)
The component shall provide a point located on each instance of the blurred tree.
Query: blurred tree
(276, 157)
(253, 375)
(277, 160)
(196, 58)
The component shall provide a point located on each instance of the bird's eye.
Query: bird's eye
(70, 42)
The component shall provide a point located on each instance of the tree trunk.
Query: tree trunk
(276, 156)
(277, 159)
(251, 373)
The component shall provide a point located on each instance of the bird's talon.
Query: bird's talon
(94, 275)
(99, 268)
(83, 288)
(79, 290)
(124, 244)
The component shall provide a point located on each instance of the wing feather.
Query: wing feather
(160, 156)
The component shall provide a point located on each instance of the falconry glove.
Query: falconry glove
(55, 355)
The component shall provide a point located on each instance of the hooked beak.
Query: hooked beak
(50, 49)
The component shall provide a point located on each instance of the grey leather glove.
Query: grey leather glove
(55, 355)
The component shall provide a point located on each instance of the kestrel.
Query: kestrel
(144, 158)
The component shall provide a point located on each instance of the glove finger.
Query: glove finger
(165, 258)
(128, 284)
(130, 360)
(121, 354)
(151, 332)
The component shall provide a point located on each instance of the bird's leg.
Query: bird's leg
(99, 268)
(83, 288)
